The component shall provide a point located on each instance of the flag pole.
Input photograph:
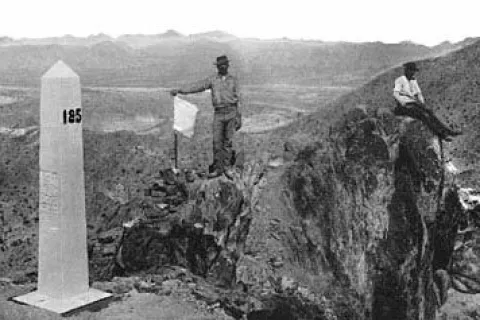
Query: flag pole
(175, 148)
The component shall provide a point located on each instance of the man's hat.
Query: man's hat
(221, 60)
(411, 66)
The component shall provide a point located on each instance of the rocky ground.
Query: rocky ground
(299, 236)
(127, 303)
(198, 228)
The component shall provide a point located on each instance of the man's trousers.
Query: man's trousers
(224, 124)
(426, 116)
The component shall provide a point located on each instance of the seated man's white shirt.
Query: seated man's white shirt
(405, 91)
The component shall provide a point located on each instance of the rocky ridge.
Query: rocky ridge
(374, 206)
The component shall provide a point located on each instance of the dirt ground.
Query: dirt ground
(132, 305)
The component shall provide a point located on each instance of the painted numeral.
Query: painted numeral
(72, 116)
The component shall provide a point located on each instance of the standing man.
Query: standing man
(410, 102)
(226, 118)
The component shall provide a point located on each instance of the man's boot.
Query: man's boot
(215, 170)
(451, 132)
(447, 136)
(212, 167)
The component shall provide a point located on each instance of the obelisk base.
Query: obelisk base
(62, 306)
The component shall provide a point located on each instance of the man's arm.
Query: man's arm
(238, 93)
(420, 98)
(196, 87)
(418, 94)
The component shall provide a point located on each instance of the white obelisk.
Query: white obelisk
(62, 260)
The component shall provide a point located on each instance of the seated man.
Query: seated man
(410, 102)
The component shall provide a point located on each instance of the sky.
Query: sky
(427, 22)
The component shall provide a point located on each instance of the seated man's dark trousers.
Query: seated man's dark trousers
(425, 115)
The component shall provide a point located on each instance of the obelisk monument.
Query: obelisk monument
(62, 260)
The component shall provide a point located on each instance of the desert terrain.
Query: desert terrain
(284, 266)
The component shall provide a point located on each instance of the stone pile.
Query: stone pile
(168, 191)
(102, 250)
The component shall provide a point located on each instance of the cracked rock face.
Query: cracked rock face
(200, 226)
(423, 214)
(378, 203)
(204, 232)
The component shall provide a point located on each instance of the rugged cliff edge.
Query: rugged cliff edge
(378, 204)
(374, 205)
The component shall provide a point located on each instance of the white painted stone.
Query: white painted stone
(63, 261)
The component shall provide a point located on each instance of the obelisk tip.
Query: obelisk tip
(60, 70)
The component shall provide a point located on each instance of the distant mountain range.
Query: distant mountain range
(171, 58)
(134, 40)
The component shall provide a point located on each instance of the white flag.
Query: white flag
(184, 116)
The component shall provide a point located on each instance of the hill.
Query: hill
(142, 40)
(340, 176)
(449, 84)
(67, 40)
(447, 46)
(171, 58)
(217, 35)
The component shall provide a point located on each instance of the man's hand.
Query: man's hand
(421, 103)
(419, 100)
(238, 121)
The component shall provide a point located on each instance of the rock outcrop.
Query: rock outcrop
(200, 225)
(378, 209)
(379, 206)
(193, 232)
